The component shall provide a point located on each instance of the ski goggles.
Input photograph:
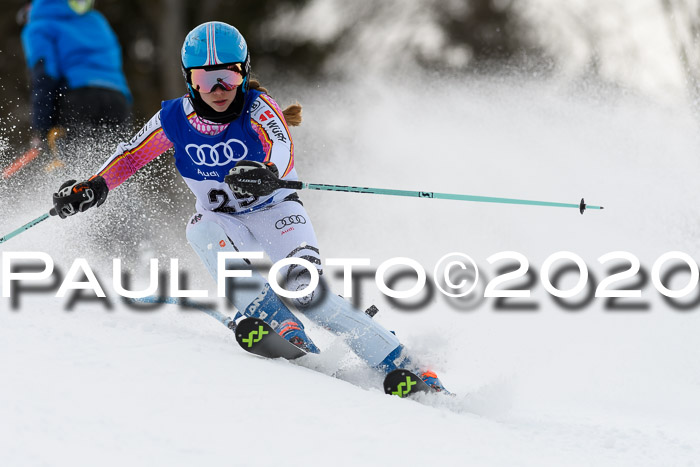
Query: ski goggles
(204, 81)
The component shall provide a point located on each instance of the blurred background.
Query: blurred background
(646, 46)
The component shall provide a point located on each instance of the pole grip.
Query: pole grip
(291, 184)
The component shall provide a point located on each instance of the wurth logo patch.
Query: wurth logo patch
(273, 126)
(266, 115)
(276, 130)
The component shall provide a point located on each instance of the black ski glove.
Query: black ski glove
(250, 178)
(75, 197)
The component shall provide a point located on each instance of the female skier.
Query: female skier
(229, 124)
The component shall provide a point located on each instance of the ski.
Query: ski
(403, 383)
(257, 337)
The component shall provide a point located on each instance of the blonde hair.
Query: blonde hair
(292, 114)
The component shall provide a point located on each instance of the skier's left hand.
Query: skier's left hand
(250, 178)
(73, 197)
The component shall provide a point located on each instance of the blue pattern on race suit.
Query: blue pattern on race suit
(204, 160)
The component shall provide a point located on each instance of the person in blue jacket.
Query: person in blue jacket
(75, 65)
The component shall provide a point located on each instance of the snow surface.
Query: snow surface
(551, 387)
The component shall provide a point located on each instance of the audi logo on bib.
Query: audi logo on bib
(217, 155)
(289, 220)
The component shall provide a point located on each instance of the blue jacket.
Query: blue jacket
(64, 48)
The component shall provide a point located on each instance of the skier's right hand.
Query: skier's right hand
(251, 178)
(73, 197)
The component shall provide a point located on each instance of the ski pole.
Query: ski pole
(217, 315)
(28, 226)
(262, 179)
(21, 162)
(581, 206)
(51, 148)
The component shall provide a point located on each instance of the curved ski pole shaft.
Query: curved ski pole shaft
(216, 314)
(295, 185)
(27, 226)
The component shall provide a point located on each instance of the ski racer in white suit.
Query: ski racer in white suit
(228, 120)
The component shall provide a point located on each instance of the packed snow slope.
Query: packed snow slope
(91, 384)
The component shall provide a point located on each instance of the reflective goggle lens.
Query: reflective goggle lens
(204, 81)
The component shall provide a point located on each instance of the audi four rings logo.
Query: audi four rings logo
(217, 155)
(289, 220)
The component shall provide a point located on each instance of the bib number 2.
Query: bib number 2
(222, 198)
